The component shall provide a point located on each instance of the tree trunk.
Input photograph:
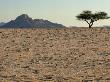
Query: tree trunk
(89, 23)
(90, 26)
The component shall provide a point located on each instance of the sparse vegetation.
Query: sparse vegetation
(90, 17)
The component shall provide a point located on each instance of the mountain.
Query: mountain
(2, 23)
(24, 21)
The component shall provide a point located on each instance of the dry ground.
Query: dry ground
(55, 55)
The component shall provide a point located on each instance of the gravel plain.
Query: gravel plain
(55, 55)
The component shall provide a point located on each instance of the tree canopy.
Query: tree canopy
(90, 17)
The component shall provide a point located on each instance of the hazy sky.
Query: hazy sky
(60, 11)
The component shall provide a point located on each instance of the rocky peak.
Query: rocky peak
(25, 21)
(23, 17)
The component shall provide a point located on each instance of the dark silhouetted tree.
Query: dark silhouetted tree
(90, 17)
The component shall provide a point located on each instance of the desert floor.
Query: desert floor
(55, 55)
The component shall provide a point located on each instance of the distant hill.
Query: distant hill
(2, 23)
(24, 21)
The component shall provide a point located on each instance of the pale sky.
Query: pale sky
(60, 11)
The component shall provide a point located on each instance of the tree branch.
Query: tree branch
(87, 21)
(91, 23)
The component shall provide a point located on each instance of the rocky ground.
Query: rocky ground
(55, 55)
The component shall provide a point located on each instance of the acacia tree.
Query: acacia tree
(90, 17)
